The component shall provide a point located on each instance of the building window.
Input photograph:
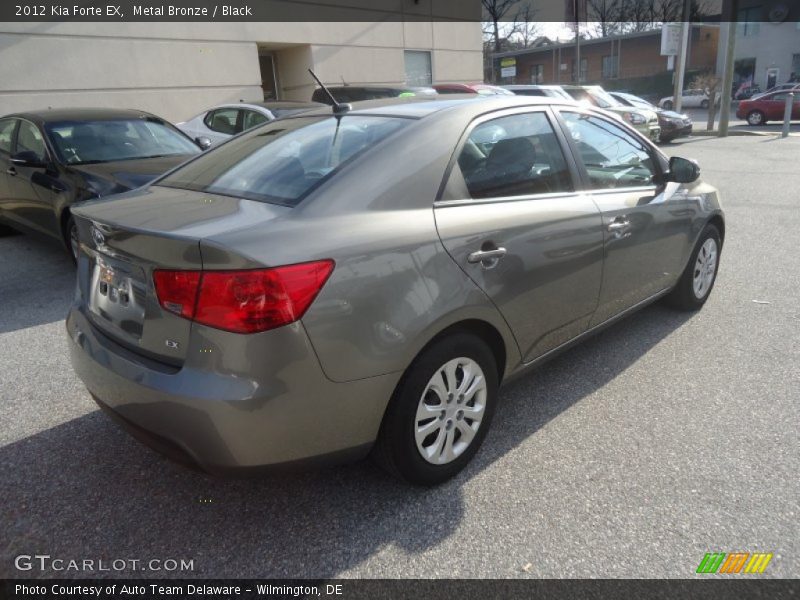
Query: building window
(584, 70)
(537, 73)
(418, 68)
(610, 67)
(747, 22)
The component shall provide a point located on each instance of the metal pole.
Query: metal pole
(727, 79)
(680, 69)
(787, 114)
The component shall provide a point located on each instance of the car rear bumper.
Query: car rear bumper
(224, 411)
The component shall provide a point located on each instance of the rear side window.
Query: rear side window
(6, 132)
(517, 155)
(223, 120)
(283, 161)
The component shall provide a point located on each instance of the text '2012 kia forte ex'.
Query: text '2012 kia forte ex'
(351, 281)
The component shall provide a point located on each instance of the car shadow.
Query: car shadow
(40, 292)
(85, 489)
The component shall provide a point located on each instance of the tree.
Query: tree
(495, 10)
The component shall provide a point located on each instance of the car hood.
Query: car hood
(671, 114)
(123, 175)
(647, 114)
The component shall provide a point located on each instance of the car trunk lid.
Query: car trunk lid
(125, 240)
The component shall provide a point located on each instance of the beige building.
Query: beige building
(176, 70)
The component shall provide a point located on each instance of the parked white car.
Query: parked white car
(689, 99)
(226, 120)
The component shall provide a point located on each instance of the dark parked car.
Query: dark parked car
(550, 91)
(331, 284)
(673, 125)
(356, 93)
(484, 89)
(51, 159)
(769, 107)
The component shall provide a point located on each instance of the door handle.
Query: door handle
(618, 225)
(11, 171)
(486, 255)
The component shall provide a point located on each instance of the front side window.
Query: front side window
(613, 158)
(283, 161)
(29, 140)
(253, 118)
(85, 142)
(517, 155)
(6, 132)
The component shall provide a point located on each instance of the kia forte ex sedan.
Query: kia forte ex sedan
(337, 284)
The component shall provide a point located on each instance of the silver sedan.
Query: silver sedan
(338, 284)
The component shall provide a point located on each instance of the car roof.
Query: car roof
(83, 114)
(417, 107)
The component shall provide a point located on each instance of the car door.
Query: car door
(33, 189)
(511, 218)
(7, 129)
(646, 225)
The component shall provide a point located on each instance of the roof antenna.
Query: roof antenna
(339, 110)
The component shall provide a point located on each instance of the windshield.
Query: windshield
(89, 142)
(283, 161)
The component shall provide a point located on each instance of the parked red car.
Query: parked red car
(769, 107)
(474, 88)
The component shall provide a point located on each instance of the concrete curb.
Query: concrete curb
(742, 133)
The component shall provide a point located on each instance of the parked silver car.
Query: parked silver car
(330, 285)
(222, 122)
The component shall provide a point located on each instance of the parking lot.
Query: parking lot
(667, 436)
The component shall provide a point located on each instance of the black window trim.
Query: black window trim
(566, 150)
(659, 160)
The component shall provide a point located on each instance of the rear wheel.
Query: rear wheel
(698, 278)
(668, 105)
(440, 411)
(756, 117)
(704, 104)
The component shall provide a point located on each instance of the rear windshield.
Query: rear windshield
(283, 161)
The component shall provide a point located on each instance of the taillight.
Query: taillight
(177, 291)
(245, 301)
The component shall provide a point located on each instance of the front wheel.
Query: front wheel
(756, 117)
(71, 238)
(440, 411)
(697, 280)
(668, 105)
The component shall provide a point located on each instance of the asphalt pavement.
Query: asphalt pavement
(665, 437)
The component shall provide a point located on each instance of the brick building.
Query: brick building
(631, 61)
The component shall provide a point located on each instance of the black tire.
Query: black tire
(396, 448)
(704, 104)
(756, 117)
(683, 295)
(668, 105)
(71, 229)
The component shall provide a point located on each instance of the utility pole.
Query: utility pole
(576, 5)
(680, 67)
(727, 78)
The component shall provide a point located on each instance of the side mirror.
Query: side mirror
(203, 142)
(27, 158)
(683, 170)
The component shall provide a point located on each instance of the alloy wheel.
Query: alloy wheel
(705, 268)
(450, 411)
